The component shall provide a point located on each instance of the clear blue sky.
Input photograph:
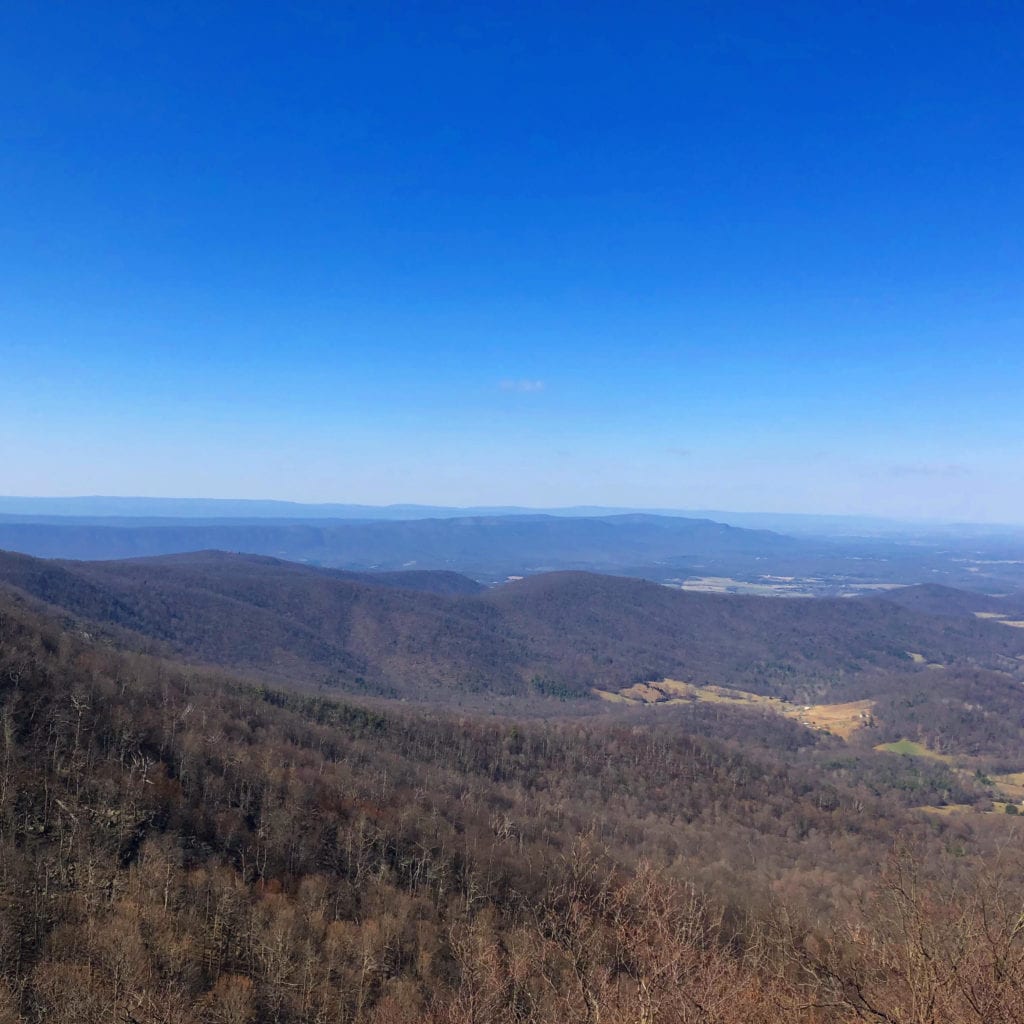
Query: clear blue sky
(757, 256)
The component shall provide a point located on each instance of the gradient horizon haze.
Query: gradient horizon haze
(763, 257)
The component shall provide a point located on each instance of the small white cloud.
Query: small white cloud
(523, 387)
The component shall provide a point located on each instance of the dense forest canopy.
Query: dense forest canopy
(183, 845)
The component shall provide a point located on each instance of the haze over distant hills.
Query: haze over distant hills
(476, 543)
(822, 555)
(91, 507)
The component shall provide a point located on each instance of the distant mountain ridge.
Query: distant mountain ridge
(672, 549)
(94, 507)
(488, 544)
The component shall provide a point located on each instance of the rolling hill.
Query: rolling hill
(935, 599)
(439, 637)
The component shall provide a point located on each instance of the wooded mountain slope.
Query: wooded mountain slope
(544, 643)
(935, 599)
(558, 634)
(178, 847)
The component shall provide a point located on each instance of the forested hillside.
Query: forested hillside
(182, 846)
(548, 643)
(934, 599)
(436, 636)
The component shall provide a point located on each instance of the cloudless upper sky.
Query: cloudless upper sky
(762, 256)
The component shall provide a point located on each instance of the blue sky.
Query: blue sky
(756, 256)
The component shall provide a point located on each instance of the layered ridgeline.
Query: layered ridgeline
(664, 548)
(180, 846)
(559, 641)
(486, 545)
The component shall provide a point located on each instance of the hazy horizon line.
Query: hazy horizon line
(581, 509)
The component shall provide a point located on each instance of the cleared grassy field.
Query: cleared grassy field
(1000, 807)
(775, 586)
(911, 748)
(949, 809)
(1011, 786)
(839, 719)
(1003, 620)
(998, 811)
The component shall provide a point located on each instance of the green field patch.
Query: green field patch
(910, 748)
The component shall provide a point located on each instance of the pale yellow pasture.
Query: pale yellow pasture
(1011, 786)
(998, 808)
(948, 809)
(612, 698)
(839, 719)
(643, 693)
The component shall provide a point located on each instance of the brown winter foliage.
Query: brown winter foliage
(178, 846)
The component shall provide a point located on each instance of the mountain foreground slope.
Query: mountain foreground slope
(180, 846)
